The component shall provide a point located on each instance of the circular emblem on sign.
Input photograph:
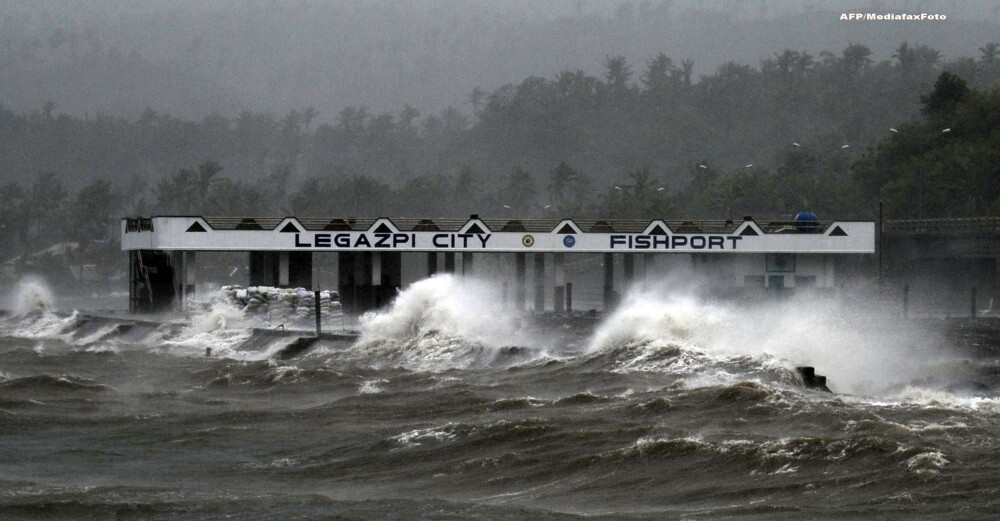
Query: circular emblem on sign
(569, 241)
(528, 241)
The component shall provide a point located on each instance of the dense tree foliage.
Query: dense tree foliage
(800, 132)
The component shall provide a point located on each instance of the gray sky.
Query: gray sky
(190, 58)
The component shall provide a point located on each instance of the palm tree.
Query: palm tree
(308, 114)
(476, 98)
(856, 57)
(560, 179)
(643, 185)
(520, 188)
(687, 68)
(618, 72)
(659, 71)
(205, 179)
(904, 54)
(990, 52)
(465, 194)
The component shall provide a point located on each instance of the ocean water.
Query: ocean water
(451, 406)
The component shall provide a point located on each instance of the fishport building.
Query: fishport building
(748, 256)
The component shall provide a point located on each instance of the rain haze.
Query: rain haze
(518, 259)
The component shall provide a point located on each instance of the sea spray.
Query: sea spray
(216, 315)
(31, 294)
(219, 326)
(440, 323)
(859, 350)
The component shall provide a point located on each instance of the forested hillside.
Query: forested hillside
(832, 133)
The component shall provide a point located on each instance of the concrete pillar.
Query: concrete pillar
(188, 276)
(390, 276)
(449, 262)
(539, 282)
(351, 277)
(152, 285)
(432, 263)
(272, 268)
(191, 266)
(647, 267)
(283, 269)
(829, 271)
(263, 268)
(178, 260)
(376, 269)
(467, 263)
(520, 269)
(300, 269)
(559, 281)
(609, 281)
(363, 281)
(629, 270)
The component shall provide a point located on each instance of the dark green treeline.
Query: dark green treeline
(646, 140)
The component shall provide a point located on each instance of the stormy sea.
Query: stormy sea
(450, 406)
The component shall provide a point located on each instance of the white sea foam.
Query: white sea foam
(858, 353)
(418, 437)
(441, 323)
(371, 386)
(31, 294)
(218, 315)
(192, 342)
(42, 324)
(927, 463)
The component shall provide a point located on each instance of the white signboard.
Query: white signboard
(195, 234)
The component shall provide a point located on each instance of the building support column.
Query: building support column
(831, 270)
(263, 268)
(365, 289)
(449, 262)
(432, 263)
(187, 278)
(152, 284)
(389, 277)
(179, 264)
(376, 264)
(559, 281)
(609, 281)
(539, 282)
(350, 277)
(283, 269)
(300, 269)
(629, 270)
(647, 268)
(467, 263)
(520, 269)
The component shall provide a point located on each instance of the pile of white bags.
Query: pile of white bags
(298, 303)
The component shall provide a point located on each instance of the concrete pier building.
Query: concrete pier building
(772, 256)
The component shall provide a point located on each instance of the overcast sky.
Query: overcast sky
(191, 58)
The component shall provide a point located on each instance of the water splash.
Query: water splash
(218, 315)
(32, 294)
(857, 348)
(440, 323)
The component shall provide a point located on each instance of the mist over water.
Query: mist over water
(863, 349)
(452, 404)
(444, 322)
(30, 294)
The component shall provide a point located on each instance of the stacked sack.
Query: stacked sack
(298, 303)
(305, 303)
(329, 303)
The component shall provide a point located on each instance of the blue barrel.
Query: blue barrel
(806, 222)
